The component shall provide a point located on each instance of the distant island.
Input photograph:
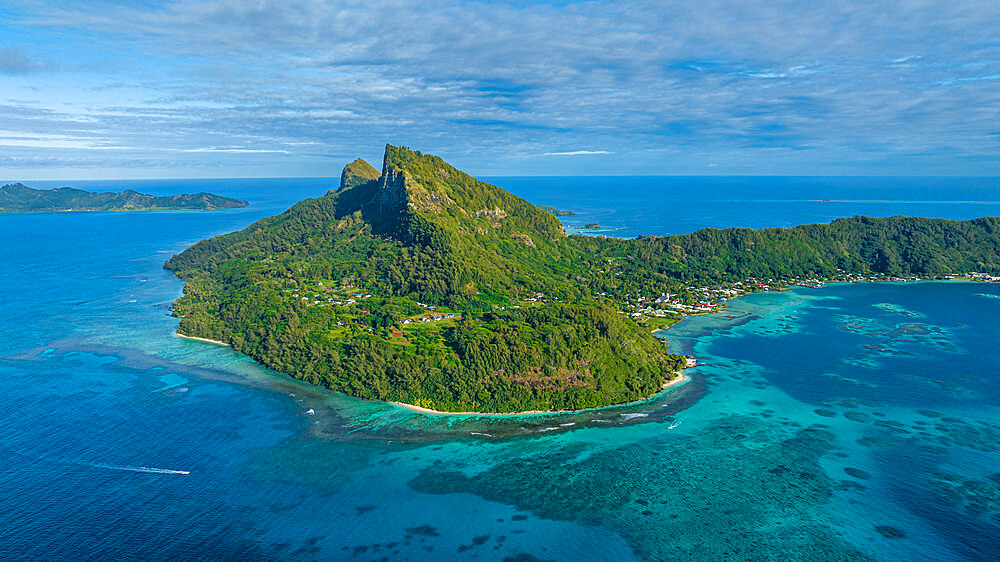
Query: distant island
(592, 226)
(19, 198)
(556, 212)
(421, 285)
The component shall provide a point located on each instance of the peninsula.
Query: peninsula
(19, 198)
(421, 285)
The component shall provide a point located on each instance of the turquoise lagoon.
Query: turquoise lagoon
(856, 421)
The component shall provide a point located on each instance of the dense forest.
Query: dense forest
(423, 285)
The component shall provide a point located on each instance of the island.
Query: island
(19, 198)
(591, 226)
(427, 287)
(555, 211)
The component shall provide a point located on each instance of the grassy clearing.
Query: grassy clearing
(661, 323)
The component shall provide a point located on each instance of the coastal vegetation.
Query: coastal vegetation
(555, 211)
(19, 198)
(426, 286)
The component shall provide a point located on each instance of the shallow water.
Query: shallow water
(855, 421)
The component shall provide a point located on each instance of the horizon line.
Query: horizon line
(337, 178)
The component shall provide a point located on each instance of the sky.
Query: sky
(261, 88)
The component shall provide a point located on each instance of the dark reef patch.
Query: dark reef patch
(980, 498)
(363, 509)
(523, 557)
(857, 473)
(850, 486)
(890, 532)
(423, 530)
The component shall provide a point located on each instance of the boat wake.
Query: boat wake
(149, 469)
(125, 467)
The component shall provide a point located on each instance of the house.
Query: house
(407, 321)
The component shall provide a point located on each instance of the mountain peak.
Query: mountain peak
(428, 186)
(357, 173)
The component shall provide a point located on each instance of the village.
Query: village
(655, 312)
(667, 309)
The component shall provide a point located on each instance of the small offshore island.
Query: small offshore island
(19, 198)
(555, 211)
(421, 285)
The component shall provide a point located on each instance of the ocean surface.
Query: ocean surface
(858, 421)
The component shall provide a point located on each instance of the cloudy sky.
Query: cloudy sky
(260, 88)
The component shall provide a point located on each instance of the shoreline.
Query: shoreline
(680, 378)
(180, 335)
(725, 307)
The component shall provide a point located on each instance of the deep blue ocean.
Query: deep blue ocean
(852, 422)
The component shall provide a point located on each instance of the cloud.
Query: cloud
(490, 85)
(14, 61)
(577, 153)
(235, 150)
